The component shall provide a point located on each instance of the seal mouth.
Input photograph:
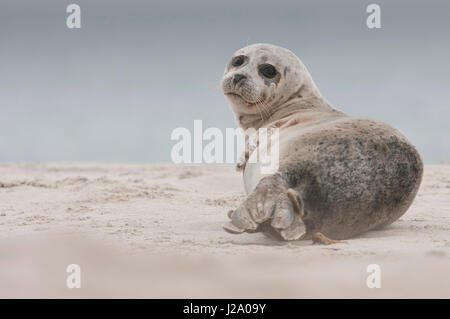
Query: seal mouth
(240, 97)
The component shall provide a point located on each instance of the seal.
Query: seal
(338, 175)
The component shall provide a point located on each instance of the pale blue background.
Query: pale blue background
(115, 89)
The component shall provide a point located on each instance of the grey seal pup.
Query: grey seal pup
(338, 176)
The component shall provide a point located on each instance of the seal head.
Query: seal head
(263, 82)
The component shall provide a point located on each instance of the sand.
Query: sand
(154, 231)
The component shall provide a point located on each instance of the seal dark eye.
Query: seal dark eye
(268, 70)
(238, 60)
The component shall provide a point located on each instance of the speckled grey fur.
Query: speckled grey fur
(351, 174)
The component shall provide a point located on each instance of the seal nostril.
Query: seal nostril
(238, 77)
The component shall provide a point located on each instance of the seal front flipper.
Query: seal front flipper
(242, 162)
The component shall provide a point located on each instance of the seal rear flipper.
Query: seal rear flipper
(296, 200)
(321, 239)
(232, 229)
(271, 208)
(295, 231)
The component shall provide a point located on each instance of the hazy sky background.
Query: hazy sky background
(116, 88)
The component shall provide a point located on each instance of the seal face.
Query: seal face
(338, 175)
(261, 77)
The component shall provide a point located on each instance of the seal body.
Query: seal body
(338, 175)
(353, 175)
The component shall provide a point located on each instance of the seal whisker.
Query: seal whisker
(264, 106)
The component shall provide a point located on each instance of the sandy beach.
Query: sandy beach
(155, 231)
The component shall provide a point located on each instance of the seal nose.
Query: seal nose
(238, 77)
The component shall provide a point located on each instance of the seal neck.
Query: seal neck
(298, 104)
